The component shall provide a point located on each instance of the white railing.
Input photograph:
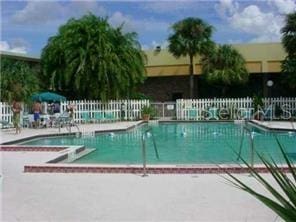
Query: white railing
(92, 110)
(233, 108)
(5, 112)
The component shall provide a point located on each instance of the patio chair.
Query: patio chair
(5, 124)
(26, 121)
(62, 120)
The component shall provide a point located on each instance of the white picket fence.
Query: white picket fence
(5, 112)
(197, 108)
(91, 110)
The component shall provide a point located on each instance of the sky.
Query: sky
(27, 25)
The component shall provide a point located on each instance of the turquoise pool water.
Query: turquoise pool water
(180, 143)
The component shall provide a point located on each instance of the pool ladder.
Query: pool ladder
(144, 156)
(251, 139)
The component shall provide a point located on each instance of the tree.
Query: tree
(225, 65)
(289, 34)
(90, 59)
(18, 80)
(289, 43)
(190, 37)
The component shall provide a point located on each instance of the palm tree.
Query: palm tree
(289, 34)
(90, 59)
(190, 37)
(289, 43)
(225, 65)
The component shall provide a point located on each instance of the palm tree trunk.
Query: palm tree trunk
(191, 79)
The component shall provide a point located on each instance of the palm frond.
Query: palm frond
(284, 198)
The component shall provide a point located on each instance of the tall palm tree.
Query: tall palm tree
(90, 59)
(190, 37)
(225, 65)
(289, 34)
(289, 43)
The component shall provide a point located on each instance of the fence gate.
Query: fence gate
(165, 110)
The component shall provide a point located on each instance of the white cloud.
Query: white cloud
(265, 26)
(79, 8)
(283, 6)
(14, 47)
(137, 25)
(36, 12)
(226, 7)
(117, 19)
(170, 7)
(153, 44)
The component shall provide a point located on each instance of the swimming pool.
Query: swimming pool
(179, 143)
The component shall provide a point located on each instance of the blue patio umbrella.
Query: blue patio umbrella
(48, 97)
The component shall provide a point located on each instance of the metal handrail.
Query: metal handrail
(66, 120)
(251, 138)
(144, 156)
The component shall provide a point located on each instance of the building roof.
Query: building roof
(20, 56)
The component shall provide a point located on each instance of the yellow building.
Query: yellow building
(168, 76)
(260, 58)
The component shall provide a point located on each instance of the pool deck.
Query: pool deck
(117, 197)
(121, 197)
(8, 135)
(277, 125)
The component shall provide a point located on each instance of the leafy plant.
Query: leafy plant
(225, 66)
(148, 110)
(289, 43)
(283, 202)
(18, 80)
(89, 59)
(257, 102)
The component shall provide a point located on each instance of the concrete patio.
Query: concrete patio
(121, 197)
(118, 197)
(8, 135)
